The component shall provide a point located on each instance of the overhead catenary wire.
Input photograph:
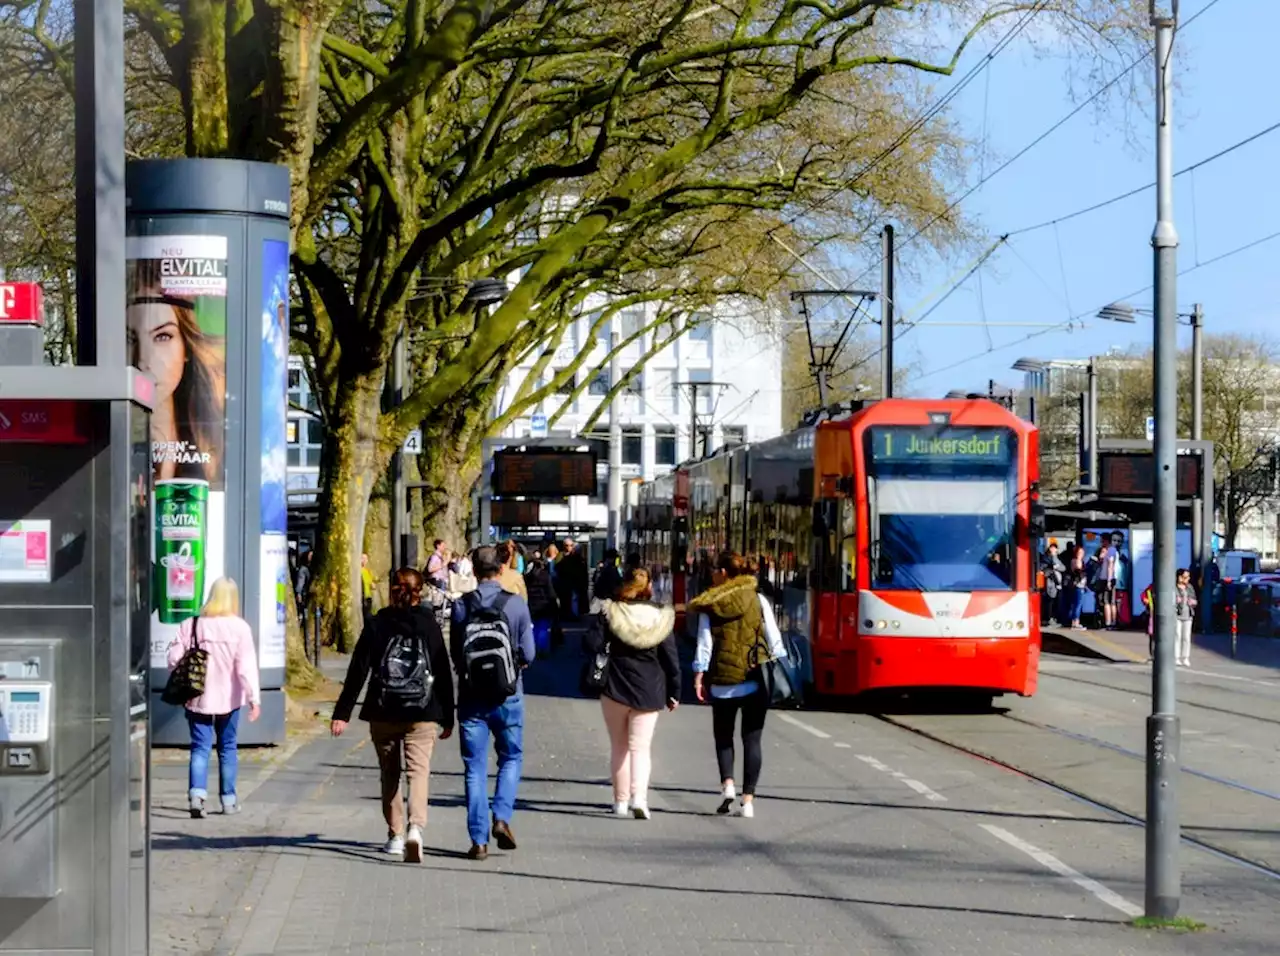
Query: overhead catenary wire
(1084, 315)
(1075, 111)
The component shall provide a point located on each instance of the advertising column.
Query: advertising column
(208, 319)
(177, 328)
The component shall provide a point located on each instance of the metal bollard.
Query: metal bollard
(1234, 631)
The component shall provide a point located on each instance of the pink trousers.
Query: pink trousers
(630, 737)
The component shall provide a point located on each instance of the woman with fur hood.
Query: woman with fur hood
(736, 631)
(642, 678)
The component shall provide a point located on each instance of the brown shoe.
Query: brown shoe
(503, 835)
(478, 851)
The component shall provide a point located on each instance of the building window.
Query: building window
(636, 385)
(567, 386)
(630, 322)
(664, 446)
(700, 327)
(632, 446)
(735, 435)
(599, 384)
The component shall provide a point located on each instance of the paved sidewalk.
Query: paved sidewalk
(842, 859)
(1129, 645)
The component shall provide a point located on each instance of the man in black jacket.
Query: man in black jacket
(414, 726)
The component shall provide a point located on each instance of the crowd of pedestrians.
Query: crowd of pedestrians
(450, 650)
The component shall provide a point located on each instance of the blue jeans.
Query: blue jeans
(506, 722)
(203, 728)
(1077, 604)
(542, 635)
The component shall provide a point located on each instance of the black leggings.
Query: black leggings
(724, 712)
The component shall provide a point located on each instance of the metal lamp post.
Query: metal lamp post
(480, 293)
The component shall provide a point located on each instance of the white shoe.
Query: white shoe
(640, 811)
(748, 810)
(413, 846)
(727, 797)
(620, 809)
(394, 846)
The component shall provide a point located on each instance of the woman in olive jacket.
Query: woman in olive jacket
(642, 678)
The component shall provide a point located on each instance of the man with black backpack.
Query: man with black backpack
(409, 705)
(491, 642)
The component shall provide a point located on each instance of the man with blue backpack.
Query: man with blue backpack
(491, 642)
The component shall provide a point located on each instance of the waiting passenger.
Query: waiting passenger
(736, 628)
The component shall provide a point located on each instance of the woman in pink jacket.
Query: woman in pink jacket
(230, 683)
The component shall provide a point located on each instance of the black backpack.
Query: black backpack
(405, 678)
(488, 657)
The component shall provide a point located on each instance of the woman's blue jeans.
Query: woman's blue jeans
(204, 727)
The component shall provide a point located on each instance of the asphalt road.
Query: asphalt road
(869, 839)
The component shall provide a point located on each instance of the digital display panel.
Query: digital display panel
(24, 697)
(1132, 475)
(514, 514)
(544, 474)
(930, 444)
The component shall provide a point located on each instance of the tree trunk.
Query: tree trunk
(300, 673)
(351, 468)
(449, 465)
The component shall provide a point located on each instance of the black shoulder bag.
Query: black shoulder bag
(186, 682)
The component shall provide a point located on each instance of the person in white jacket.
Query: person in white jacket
(734, 619)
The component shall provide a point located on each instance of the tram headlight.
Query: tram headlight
(897, 624)
(996, 625)
(880, 625)
(1021, 625)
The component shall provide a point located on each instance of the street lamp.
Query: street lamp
(1125, 313)
(480, 293)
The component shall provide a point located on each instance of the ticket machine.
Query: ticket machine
(75, 581)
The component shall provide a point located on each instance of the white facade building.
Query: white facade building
(734, 361)
(736, 367)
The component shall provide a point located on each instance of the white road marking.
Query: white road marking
(844, 746)
(1051, 862)
(915, 785)
(1247, 680)
(797, 722)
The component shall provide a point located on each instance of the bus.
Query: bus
(898, 544)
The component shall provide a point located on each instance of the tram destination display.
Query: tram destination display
(1132, 475)
(544, 474)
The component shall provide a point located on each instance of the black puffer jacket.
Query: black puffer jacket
(644, 667)
(366, 663)
(543, 605)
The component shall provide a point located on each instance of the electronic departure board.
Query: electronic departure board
(505, 513)
(1132, 475)
(544, 474)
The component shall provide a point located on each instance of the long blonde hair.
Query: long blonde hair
(224, 599)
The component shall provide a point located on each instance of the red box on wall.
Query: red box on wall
(22, 302)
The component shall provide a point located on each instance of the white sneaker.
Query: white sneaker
(620, 809)
(748, 810)
(640, 811)
(726, 798)
(413, 846)
(394, 846)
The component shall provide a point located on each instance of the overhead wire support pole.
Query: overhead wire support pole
(615, 442)
(1163, 875)
(886, 313)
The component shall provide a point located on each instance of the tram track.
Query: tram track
(1182, 701)
(1206, 844)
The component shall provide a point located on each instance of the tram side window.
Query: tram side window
(836, 552)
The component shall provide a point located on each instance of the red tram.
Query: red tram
(898, 544)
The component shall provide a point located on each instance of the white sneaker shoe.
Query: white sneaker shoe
(394, 846)
(413, 846)
(640, 811)
(748, 810)
(726, 799)
(620, 809)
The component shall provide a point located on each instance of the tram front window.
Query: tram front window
(943, 507)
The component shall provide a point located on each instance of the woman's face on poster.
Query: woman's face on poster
(157, 345)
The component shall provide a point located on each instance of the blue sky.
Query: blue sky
(1226, 94)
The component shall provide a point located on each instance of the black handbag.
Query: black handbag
(779, 677)
(186, 682)
(595, 673)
